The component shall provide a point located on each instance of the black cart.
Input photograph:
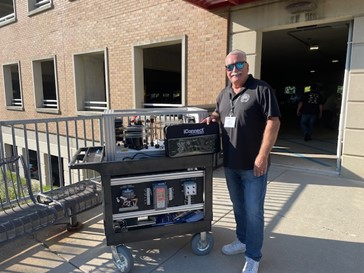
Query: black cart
(151, 198)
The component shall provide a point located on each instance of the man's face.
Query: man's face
(236, 69)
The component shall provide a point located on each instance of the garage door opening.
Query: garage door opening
(292, 61)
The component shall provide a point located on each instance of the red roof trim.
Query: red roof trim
(215, 4)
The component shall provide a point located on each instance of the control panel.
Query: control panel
(157, 199)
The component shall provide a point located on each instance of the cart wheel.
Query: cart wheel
(122, 257)
(202, 247)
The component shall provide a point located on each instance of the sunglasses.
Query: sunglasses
(238, 65)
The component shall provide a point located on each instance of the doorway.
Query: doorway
(292, 61)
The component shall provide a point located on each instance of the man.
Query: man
(249, 115)
(310, 109)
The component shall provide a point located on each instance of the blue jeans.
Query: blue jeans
(308, 122)
(247, 193)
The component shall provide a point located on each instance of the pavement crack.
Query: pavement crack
(47, 247)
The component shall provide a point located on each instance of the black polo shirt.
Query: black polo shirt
(311, 102)
(252, 106)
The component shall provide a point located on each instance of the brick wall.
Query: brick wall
(85, 26)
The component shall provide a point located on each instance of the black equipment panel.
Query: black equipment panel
(141, 196)
(153, 220)
(192, 139)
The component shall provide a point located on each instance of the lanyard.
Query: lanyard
(232, 99)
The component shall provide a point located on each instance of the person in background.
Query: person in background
(248, 112)
(331, 111)
(310, 109)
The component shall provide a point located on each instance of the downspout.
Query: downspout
(228, 39)
(228, 31)
(344, 100)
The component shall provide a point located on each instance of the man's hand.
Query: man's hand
(213, 118)
(269, 138)
(260, 165)
(209, 119)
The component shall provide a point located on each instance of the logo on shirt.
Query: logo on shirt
(245, 98)
(313, 98)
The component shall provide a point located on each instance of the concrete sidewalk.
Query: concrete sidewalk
(314, 224)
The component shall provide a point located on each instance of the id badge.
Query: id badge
(230, 122)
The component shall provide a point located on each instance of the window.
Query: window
(7, 12)
(91, 85)
(45, 85)
(160, 74)
(12, 86)
(33, 164)
(36, 6)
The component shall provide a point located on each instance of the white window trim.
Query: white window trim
(54, 104)
(13, 107)
(137, 58)
(10, 18)
(97, 106)
(35, 8)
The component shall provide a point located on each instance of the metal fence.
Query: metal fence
(48, 145)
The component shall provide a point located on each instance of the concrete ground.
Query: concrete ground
(314, 223)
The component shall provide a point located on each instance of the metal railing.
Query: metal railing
(7, 17)
(17, 102)
(48, 145)
(41, 3)
(95, 105)
(50, 103)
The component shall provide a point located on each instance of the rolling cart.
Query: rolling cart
(151, 198)
(156, 172)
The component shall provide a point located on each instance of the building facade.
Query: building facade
(76, 56)
(250, 22)
(65, 58)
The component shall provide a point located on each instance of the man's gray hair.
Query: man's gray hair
(238, 52)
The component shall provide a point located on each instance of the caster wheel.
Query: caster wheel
(122, 258)
(202, 247)
(75, 227)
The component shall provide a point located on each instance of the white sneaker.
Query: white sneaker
(250, 266)
(233, 248)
